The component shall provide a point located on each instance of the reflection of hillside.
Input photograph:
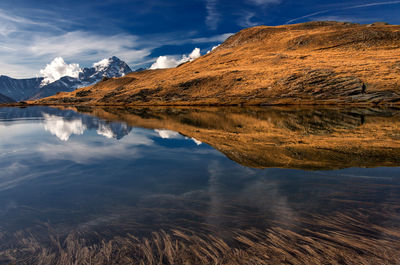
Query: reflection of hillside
(280, 137)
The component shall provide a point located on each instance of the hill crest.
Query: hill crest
(309, 63)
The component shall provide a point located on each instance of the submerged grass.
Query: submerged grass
(342, 239)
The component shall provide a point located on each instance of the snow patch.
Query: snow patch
(213, 48)
(101, 65)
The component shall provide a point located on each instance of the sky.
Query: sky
(35, 32)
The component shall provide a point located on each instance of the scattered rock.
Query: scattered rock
(105, 78)
(83, 93)
(378, 24)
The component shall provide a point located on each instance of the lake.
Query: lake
(86, 185)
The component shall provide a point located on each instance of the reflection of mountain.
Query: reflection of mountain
(64, 123)
(114, 130)
(280, 137)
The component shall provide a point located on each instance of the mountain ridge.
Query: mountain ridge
(5, 99)
(33, 88)
(308, 63)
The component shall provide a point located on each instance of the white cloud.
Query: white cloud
(59, 68)
(193, 55)
(217, 38)
(29, 42)
(164, 62)
(26, 45)
(213, 16)
(311, 15)
(63, 128)
(246, 20)
(88, 46)
(6, 29)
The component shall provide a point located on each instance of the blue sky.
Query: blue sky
(34, 32)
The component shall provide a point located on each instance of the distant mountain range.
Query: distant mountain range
(14, 90)
(4, 99)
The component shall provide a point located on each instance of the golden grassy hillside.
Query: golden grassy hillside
(310, 63)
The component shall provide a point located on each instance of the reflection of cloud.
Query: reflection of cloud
(167, 134)
(262, 195)
(17, 173)
(62, 128)
(88, 150)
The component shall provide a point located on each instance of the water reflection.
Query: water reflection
(91, 186)
(61, 128)
(279, 137)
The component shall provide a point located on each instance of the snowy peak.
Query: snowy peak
(111, 67)
(70, 78)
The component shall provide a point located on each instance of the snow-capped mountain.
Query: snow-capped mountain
(24, 89)
(4, 99)
(19, 89)
(111, 67)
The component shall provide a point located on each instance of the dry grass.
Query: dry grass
(339, 239)
(291, 64)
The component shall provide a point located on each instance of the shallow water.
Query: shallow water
(280, 178)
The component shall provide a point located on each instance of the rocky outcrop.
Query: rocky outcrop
(327, 87)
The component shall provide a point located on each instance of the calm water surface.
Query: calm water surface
(69, 176)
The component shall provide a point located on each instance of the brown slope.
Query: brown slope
(311, 63)
(279, 137)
